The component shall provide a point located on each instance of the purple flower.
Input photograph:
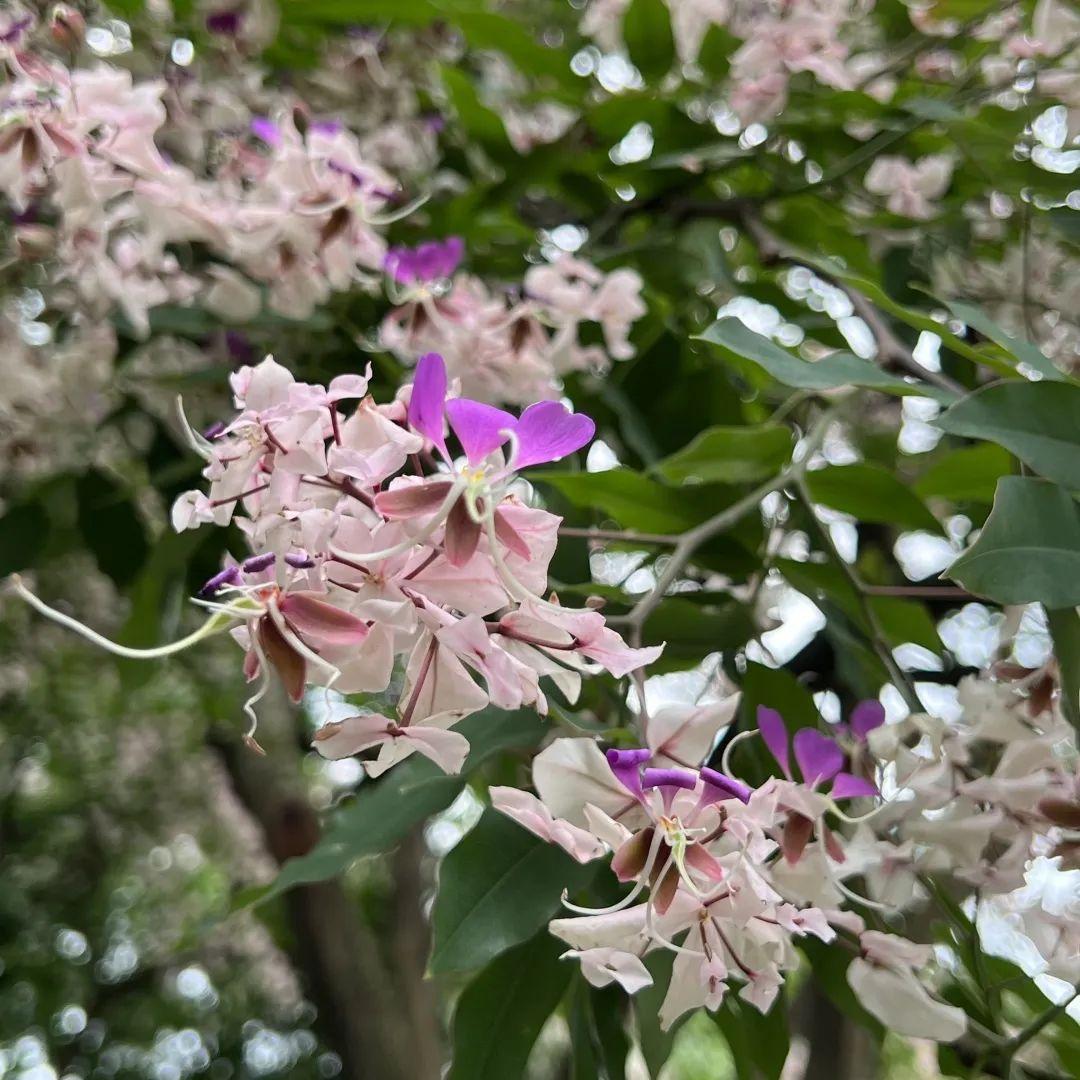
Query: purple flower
(819, 757)
(431, 261)
(299, 561)
(626, 765)
(545, 432)
(719, 787)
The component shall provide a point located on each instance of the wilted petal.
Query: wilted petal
(429, 398)
(480, 428)
(775, 735)
(818, 756)
(320, 622)
(548, 431)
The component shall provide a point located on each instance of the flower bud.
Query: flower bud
(67, 27)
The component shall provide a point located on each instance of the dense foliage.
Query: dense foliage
(561, 519)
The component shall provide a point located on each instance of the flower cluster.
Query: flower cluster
(728, 876)
(358, 559)
(504, 346)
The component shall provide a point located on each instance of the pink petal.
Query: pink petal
(818, 756)
(548, 431)
(321, 622)
(343, 738)
(448, 749)
(510, 538)
(412, 500)
(480, 428)
(428, 399)
(774, 732)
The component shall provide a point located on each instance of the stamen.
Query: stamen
(630, 897)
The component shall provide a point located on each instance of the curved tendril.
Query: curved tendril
(877, 905)
(725, 762)
(514, 587)
(630, 897)
(398, 214)
(410, 541)
(264, 686)
(650, 921)
(217, 622)
(197, 442)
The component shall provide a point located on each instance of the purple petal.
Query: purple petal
(266, 130)
(818, 756)
(866, 716)
(626, 765)
(299, 561)
(723, 787)
(774, 731)
(847, 786)
(680, 778)
(480, 428)
(548, 431)
(429, 398)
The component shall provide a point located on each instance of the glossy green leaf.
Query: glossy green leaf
(1065, 633)
(497, 887)
(1029, 548)
(1020, 350)
(829, 373)
(386, 809)
(870, 493)
(966, 475)
(1039, 422)
(759, 1044)
(646, 30)
(729, 455)
(500, 1013)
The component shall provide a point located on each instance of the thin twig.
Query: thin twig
(628, 536)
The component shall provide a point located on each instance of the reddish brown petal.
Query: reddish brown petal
(797, 832)
(462, 535)
(510, 538)
(1060, 811)
(664, 892)
(412, 501)
(322, 623)
(629, 860)
(699, 859)
(288, 663)
(832, 845)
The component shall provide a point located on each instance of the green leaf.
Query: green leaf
(693, 630)
(1039, 422)
(1065, 632)
(636, 501)
(1029, 548)
(24, 531)
(655, 1043)
(828, 373)
(598, 1031)
(111, 526)
(1022, 351)
(500, 1013)
(905, 620)
(759, 1044)
(386, 809)
(966, 475)
(649, 41)
(870, 493)
(729, 455)
(496, 889)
